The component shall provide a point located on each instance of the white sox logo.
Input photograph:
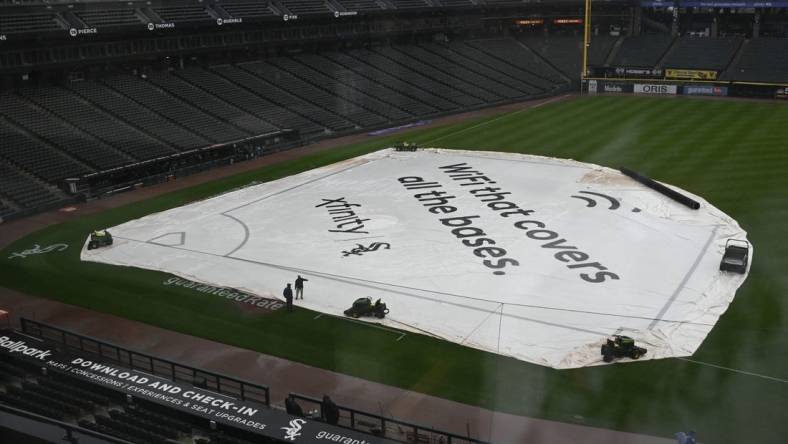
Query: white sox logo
(294, 431)
(38, 250)
(360, 250)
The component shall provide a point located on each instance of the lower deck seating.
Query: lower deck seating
(118, 119)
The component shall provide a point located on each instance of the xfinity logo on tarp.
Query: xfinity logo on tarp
(23, 348)
(294, 431)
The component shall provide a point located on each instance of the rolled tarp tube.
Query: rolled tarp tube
(656, 186)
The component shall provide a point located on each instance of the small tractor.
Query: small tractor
(737, 253)
(99, 238)
(406, 146)
(365, 307)
(621, 347)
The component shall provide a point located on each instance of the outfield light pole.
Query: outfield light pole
(586, 38)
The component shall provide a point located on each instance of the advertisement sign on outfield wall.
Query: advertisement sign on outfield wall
(624, 71)
(781, 93)
(690, 74)
(705, 90)
(613, 87)
(655, 89)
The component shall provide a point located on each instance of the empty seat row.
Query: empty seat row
(336, 101)
(202, 99)
(59, 133)
(16, 23)
(304, 7)
(25, 191)
(513, 53)
(702, 52)
(453, 54)
(90, 119)
(643, 50)
(440, 96)
(344, 83)
(109, 17)
(35, 156)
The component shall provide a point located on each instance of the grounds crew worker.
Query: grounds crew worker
(288, 294)
(299, 286)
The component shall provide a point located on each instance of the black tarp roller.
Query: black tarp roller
(656, 186)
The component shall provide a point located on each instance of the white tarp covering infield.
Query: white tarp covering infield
(531, 257)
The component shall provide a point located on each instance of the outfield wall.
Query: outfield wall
(657, 87)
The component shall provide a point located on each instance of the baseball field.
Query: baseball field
(733, 390)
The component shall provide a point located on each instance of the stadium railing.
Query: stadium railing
(139, 361)
(69, 430)
(376, 424)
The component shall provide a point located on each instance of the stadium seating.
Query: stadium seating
(564, 52)
(51, 133)
(207, 102)
(480, 86)
(36, 156)
(303, 67)
(470, 51)
(514, 87)
(69, 107)
(761, 60)
(302, 96)
(355, 73)
(360, 5)
(344, 83)
(109, 17)
(184, 13)
(409, 56)
(59, 133)
(164, 104)
(6, 210)
(127, 110)
(248, 9)
(514, 53)
(599, 49)
(288, 71)
(19, 23)
(702, 53)
(440, 96)
(305, 7)
(261, 79)
(644, 50)
(410, 4)
(24, 190)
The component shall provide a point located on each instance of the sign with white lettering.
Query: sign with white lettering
(223, 409)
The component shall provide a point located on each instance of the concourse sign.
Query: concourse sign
(243, 415)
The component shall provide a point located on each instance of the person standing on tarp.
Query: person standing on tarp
(288, 294)
(299, 286)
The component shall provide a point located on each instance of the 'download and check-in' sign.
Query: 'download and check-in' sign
(222, 409)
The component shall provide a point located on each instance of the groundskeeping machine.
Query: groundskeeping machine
(99, 238)
(621, 347)
(365, 307)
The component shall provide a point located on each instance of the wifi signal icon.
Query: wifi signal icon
(591, 202)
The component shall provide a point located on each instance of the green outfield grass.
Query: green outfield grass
(732, 153)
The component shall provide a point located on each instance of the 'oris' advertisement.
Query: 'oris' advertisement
(655, 89)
